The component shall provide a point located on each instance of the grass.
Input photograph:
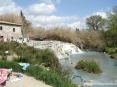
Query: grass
(49, 77)
(31, 55)
(112, 51)
(8, 65)
(36, 58)
(88, 66)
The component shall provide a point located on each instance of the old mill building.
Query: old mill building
(10, 31)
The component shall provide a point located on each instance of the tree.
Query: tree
(25, 24)
(95, 22)
(111, 33)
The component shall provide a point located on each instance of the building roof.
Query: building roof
(10, 23)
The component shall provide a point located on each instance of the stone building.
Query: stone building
(10, 31)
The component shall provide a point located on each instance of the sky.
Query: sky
(49, 13)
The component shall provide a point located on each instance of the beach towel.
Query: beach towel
(3, 75)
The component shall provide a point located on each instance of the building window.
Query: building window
(0, 27)
(1, 36)
(12, 38)
(13, 29)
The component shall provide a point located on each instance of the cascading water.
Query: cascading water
(61, 49)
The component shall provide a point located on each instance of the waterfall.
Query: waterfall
(61, 49)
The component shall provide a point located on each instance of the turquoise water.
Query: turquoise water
(108, 66)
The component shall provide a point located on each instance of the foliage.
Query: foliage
(111, 33)
(26, 25)
(92, 39)
(95, 22)
(111, 50)
(49, 59)
(9, 65)
(82, 39)
(50, 77)
(88, 66)
(31, 55)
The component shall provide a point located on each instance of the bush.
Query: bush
(13, 65)
(49, 59)
(92, 39)
(111, 50)
(21, 59)
(31, 55)
(49, 77)
(86, 39)
(88, 66)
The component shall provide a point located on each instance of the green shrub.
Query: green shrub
(88, 66)
(111, 50)
(49, 77)
(13, 65)
(31, 55)
(49, 59)
(114, 55)
(21, 59)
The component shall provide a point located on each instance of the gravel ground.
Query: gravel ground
(25, 81)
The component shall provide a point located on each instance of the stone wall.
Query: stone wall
(8, 34)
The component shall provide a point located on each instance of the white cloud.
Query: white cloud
(51, 1)
(101, 13)
(40, 14)
(5, 3)
(52, 20)
(41, 8)
(8, 6)
(77, 24)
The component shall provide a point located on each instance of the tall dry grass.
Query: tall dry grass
(11, 17)
(92, 39)
(83, 39)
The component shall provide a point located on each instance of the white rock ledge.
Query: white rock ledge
(61, 49)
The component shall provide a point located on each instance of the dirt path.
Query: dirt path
(25, 81)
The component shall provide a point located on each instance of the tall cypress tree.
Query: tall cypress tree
(25, 25)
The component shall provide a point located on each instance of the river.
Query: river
(69, 54)
(108, 78)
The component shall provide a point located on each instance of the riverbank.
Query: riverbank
(44, 63)
(25, 81)
(112, 51)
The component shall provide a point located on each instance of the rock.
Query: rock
(61, 49)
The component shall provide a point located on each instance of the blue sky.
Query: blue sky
(75, 7)
(58, 12)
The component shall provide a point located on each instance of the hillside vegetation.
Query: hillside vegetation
(44, 65)
(29, 54)
(83, 39)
